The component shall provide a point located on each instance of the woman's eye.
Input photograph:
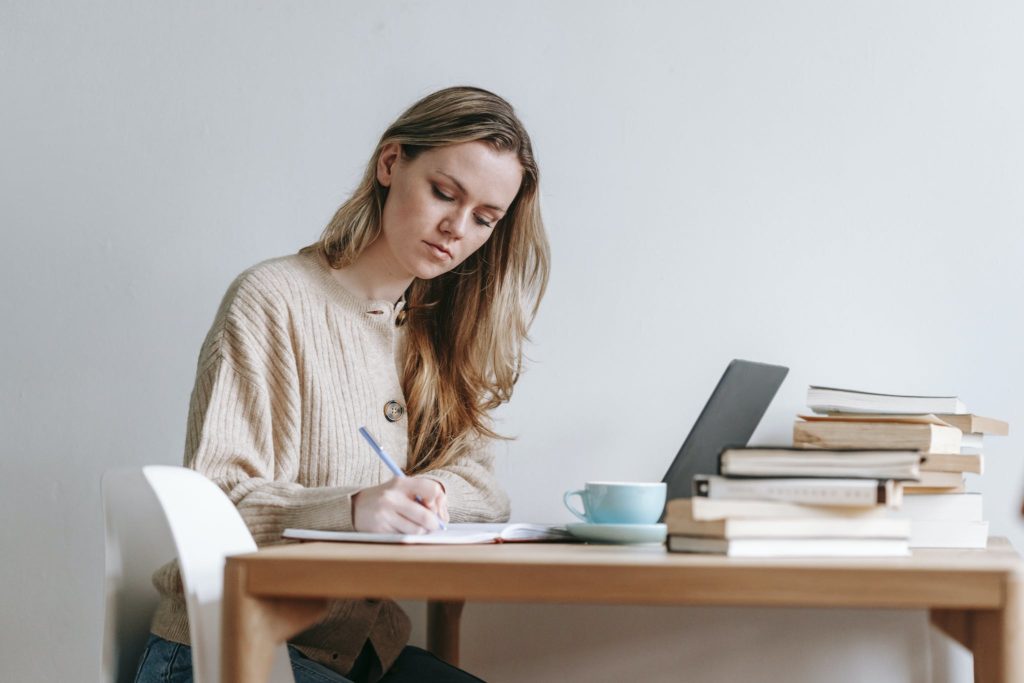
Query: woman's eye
(446, 198)
(441, 195)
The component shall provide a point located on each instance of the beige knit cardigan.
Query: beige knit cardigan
(292, 366)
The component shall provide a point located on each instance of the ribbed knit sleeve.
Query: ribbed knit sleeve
(474, 494)
(244, 425)
(238, 436)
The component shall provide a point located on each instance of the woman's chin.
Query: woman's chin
(428, 271)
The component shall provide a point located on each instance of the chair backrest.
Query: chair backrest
(137, 543)
(206, 528)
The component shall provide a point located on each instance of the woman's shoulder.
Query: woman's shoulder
(264, 293)
(275, 282)
(286, 289)
(276, 273)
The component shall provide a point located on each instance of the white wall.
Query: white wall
(832, 186)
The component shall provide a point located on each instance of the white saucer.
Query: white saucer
(619, 533)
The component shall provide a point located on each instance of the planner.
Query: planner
(455, 534)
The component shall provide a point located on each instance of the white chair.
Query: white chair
(151, 515)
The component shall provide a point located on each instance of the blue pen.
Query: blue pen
(393, 467)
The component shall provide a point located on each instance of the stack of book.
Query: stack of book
(950, 439)
(840, 490)
(788, 502)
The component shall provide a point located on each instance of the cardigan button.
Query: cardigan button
(393, 411)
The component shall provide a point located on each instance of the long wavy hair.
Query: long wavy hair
(465, 328)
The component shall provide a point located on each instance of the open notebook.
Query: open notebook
(456, 534)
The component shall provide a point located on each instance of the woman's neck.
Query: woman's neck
(374, 276)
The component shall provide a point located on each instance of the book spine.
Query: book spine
(804, 491)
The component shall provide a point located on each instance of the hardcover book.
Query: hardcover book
(953, 462)
(930, 533)
(810, 491)
(799, 462)
(977, 424)
(791, 547)
(935, 480)
(831, 399)
(963, 507)
(791, 527)
(927, 438)
(722, 508)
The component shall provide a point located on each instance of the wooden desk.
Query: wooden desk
(973, 595)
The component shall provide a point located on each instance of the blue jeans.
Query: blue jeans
(167, 662)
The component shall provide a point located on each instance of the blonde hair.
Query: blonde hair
(465, 328)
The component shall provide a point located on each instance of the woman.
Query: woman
(407, 316)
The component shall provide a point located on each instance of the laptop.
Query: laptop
(729, 418)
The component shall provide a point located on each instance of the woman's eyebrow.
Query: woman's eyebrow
(463, 190)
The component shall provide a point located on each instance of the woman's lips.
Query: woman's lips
(439, 252)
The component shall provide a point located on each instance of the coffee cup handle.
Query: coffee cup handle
(565, 499)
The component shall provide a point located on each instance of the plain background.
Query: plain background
(832, 186)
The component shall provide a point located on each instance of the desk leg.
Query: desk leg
(999, 638)
(253, 627)
(954, 623)
(443, 621)
(995, 637)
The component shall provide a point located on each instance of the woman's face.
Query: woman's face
(443, 205)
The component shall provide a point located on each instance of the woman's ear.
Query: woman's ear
(386, 163)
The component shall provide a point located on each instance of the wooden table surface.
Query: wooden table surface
(273, 594)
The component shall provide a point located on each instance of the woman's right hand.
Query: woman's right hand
(391, 507)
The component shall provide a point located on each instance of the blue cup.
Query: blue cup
(619, 502)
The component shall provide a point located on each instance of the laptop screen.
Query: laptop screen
(728, 419)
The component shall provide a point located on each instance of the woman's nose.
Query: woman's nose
(456, 223)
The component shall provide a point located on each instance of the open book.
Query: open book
(456, 534)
